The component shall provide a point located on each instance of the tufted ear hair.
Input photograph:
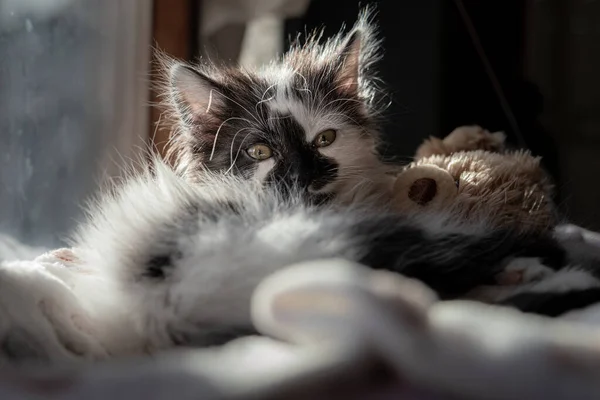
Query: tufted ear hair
(359, 50)
(195, 95)
(349, 72)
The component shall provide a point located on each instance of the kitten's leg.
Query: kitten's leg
(516, 276)
(453, 264)
(523, 270)
(563, 291)
(546, 248)
(553, 304)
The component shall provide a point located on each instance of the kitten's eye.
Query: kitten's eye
(325, 138)
(259, 152)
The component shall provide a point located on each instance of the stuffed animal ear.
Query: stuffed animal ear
(464, 138)
(424, 186)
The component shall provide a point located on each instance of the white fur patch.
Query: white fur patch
(531, 268)
(564, 281)
(219, 263)
(263, 168)
(277, 235)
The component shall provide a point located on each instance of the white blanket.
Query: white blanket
(339, 325)
(348, 332)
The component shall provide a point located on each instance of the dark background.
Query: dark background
(62, 109)
(545, 55)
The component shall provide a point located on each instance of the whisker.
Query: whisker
(212, 153)
(233, 142)
(262, 98)
(279, 118)
(344, 100)
(305, 88)
(237, 154)
(242, 107)
(346, 117)
(328, 93)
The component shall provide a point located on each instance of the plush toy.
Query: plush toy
(471, 174)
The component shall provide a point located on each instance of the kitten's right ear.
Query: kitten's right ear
(358, 51)
(195, 95)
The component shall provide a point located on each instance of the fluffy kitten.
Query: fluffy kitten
(165, 262)
(181, 260)
(309, 119)
(172, 259)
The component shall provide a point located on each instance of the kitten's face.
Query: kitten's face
(307, 120)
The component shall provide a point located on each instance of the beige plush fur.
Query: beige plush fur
(471, 173)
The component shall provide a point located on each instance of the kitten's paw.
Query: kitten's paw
(73, 330)
(518, 272)
(569, 233)
(523, 270)
(66, 255)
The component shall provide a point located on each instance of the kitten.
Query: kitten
(166, 262)
(172, 259)
(309, 119)
(180, 260)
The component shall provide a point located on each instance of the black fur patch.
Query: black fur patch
(298, 163)
(545, 247)
(157, 266)
(553, 304)
(452, 264)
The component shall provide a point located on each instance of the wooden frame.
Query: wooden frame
(134, 21)
(175, 32)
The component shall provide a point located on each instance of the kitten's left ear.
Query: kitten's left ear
(196, 96)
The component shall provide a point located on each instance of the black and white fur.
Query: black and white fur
(173, 258)
(181, 260)
(553, 291)
(166, 262)
(220, 111)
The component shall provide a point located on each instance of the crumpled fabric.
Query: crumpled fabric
(335, 329)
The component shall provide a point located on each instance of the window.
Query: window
(73, 106)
